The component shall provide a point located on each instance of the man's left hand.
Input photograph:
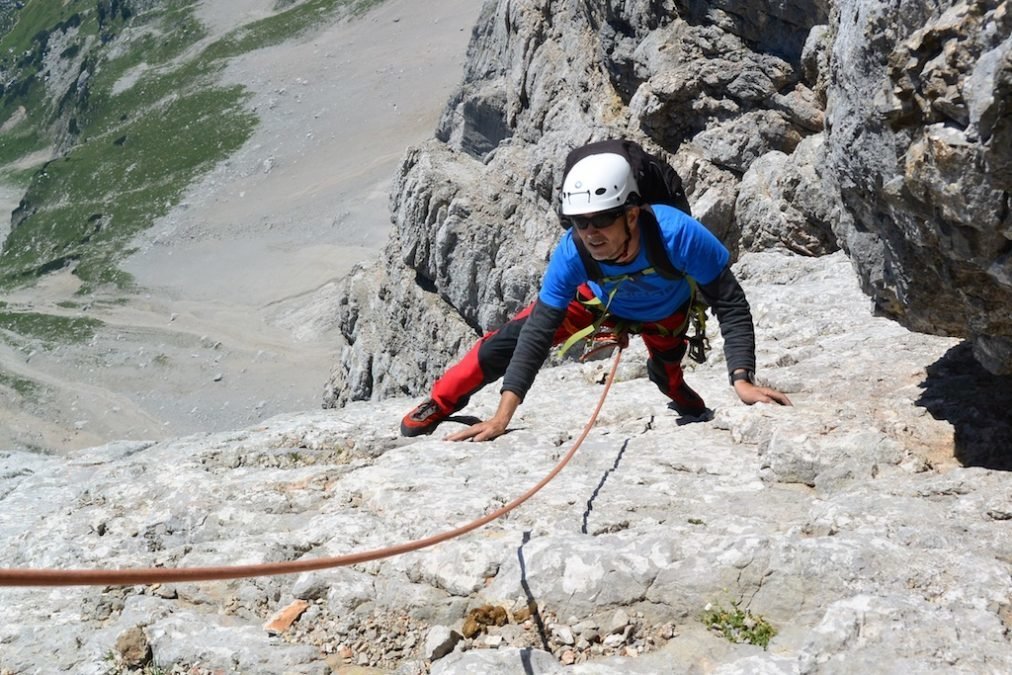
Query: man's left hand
(750, 394)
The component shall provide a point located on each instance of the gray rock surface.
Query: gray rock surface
(869, 524)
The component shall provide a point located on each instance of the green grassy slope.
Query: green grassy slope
(124, 153)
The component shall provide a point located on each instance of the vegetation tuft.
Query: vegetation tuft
(49, 329)
(738, 625)
(25, 388)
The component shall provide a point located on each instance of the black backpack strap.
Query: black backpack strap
(657, 254)
(593, 268)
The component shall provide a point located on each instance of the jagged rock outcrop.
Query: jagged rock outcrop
(919, 141)
(844, 522)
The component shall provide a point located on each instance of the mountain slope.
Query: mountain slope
(221, 324)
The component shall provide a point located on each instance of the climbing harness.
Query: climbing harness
(695, 319)
(161, 575)
(605, 340)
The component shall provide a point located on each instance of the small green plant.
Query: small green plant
(738, 625)
(115, 667)
(25, 388)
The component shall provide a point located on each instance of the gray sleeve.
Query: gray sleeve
(532, 348)
(725, 295)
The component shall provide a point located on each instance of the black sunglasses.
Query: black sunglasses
(598, 221)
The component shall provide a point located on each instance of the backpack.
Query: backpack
(658, 183)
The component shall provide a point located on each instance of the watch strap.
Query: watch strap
(742, 374)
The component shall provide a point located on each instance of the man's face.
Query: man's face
(604, 234)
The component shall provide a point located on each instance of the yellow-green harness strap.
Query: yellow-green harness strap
(592, 328)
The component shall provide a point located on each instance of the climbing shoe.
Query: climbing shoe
(687, 402)
(424, 419)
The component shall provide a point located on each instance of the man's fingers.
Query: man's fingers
(462, 435)
(481, 431)
(782, 399)
(774, 396)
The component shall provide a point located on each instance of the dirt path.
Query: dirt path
(233, 324)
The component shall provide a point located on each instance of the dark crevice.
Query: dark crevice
(597, 490)
(425, 283)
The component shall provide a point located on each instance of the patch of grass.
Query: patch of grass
(49, 329)
(27, 389)
(738, 625)
(140, 148)
(77, 215)
(17, 178)
(281, 26)
(8, 15)
(19, 142)
(24, 46)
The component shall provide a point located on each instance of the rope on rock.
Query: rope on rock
(160, 575)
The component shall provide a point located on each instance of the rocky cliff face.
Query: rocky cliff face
(802, 126)
(919, 140)
(865, 529)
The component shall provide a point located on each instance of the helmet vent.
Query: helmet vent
(600, 191)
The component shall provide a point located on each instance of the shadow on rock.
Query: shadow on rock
(976, 403)
(532, 602)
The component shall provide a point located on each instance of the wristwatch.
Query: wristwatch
(742, 374)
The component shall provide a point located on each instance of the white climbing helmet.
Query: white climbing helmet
(597, 183)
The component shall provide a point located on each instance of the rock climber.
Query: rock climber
(605, 215)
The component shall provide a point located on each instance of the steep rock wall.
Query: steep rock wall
(919, 139)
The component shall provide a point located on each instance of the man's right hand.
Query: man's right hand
(495, 426)
(750, 394)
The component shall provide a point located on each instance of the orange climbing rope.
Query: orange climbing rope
(161, 575)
